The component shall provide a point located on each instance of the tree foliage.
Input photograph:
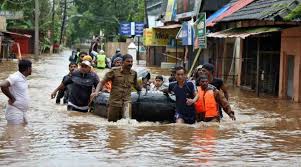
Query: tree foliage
(103, 15)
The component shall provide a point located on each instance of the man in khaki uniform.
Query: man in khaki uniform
(123, 78)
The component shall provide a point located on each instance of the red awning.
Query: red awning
(235, 7)
(14, 33)
(169, 26)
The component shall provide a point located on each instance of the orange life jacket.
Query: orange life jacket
(107, 87)
(206, 103)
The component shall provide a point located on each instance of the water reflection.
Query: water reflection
(117, 138)
(204, 144)
(15, 141)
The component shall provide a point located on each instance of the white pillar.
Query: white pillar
(132, 50)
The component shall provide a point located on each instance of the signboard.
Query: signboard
(10, 15)
(148, 37)
(187, 34)
(201, 31)
(188, 8)
(170, 10)
(159, 37)
(131, 28)
(125, 28)
(139, 29)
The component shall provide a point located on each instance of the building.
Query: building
(251, 41)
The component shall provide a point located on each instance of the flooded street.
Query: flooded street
(267, 132)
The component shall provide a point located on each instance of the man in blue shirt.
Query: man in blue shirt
(186, 96)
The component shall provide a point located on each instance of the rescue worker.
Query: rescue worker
(123, 78)
(208, 69)
(101, 60)
(209, 100)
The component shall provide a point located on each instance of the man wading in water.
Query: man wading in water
(186, 96)
(15, 87)
(83, 81)
(123, 78)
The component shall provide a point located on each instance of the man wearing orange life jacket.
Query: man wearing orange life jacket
(209, 100)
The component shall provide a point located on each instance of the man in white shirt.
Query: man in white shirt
(15, 87)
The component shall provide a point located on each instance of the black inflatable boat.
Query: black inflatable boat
(152, 106)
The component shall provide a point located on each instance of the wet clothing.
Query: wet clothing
(187, 113)
(64, 93)
(117, 113)
(207, 103)
(81, 89)
(219, 98)
(16, 113)
(218, 83)
(122, 82)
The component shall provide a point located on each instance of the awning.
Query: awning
(169, 26)
(13, 33)
(243, 32)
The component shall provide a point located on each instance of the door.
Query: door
(290, 76)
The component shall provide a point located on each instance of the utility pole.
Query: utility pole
(36, 29)
(145, 14)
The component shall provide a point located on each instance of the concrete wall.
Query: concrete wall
(2, 23)
(290, 46)
(111, 47)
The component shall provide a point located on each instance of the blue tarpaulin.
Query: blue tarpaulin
(217, 13)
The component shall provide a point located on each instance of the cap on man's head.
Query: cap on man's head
(101, 51)
(209, 67)
(86, 63)
(117, 50)
(87, 58)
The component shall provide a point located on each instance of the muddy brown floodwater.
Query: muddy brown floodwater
(267, 132)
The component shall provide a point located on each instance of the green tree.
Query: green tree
(103, 15)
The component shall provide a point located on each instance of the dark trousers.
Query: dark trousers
(62, 94)
(115, 113)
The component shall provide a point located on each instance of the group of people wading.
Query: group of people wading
(200, 98)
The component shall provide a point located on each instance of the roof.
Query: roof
(243, 32)
(264, 10)
(13, 33)
(233, 6)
